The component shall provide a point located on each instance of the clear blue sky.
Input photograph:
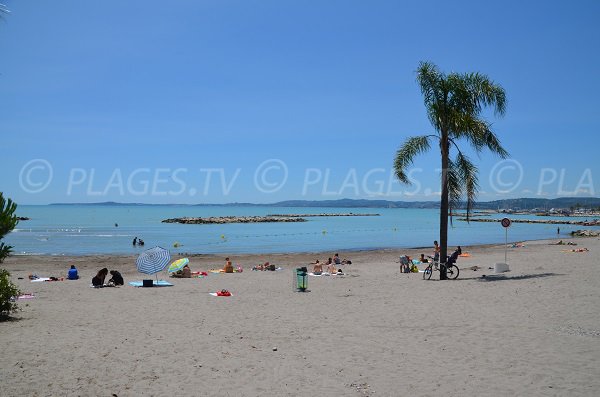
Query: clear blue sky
(101, 89)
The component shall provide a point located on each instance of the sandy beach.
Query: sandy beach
(534, 331)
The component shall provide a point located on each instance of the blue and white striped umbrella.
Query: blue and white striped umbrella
(153, 260)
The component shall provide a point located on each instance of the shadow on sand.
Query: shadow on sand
(501, 277)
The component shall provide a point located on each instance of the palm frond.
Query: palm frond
(406, 154)
(430, 79)
(454, 187)
(467, 172)
(478, 133)
(486, 92)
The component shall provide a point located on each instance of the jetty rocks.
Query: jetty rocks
(585, 233)
(219, 220)
(595, 222)
(322, 214)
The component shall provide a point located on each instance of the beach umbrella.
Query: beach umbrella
(178, 264)
(153, 260)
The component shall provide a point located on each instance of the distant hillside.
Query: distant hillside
(520, 203)
(531, 203)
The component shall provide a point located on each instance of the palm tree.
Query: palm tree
(454, 104)
(3, 10)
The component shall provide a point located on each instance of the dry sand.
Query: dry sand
(534, 331)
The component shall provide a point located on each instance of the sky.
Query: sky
(262, 101)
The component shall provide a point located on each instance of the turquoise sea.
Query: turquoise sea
(90, 229)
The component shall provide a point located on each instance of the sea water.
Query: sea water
(105, 229)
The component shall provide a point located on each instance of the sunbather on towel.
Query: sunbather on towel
(186, 272)
(330, 266)
(317, 268)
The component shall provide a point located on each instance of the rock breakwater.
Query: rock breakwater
(585, 233)
(322, 214)
(233, 219)
(595, 222)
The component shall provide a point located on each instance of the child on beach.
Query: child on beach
(228, 266)
(436, 251)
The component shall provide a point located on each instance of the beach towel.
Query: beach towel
(159, 283)
(237, 270)
(223, 292)
(108, 285)
(26, 296)
(319, 275)
(41, 279)
(465, 255)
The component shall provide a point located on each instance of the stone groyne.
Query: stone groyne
(233, 219)
(595, 222)
(322, 214)
(585, 233)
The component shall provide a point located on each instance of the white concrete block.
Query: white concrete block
(500, 267)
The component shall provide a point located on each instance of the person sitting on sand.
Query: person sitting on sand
(330, 266)
(73, 275)
(228, 266)
(337, 260)
(116, 278)
(317, 268)
(423, 259)
(98, 279)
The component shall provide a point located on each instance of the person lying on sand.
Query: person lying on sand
(186, 272)
(580, 250)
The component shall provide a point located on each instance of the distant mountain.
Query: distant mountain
(520, 203)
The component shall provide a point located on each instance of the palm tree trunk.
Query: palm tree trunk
(444, 146)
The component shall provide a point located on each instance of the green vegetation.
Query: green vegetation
(8, 294)
(8, 221)
(454, 103)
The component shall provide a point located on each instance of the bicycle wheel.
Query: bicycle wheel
(452, 272)
(427, 272)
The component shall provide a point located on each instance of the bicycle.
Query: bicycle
(451, 269)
